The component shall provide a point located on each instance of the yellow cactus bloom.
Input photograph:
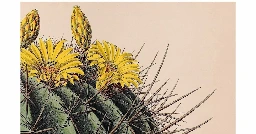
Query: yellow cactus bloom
(81, 28)
(50, 63)
(29, 28)
(113, 65)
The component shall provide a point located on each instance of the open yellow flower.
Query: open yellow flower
(50, 63)
(113, 65)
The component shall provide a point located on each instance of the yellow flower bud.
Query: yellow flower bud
(81, 28)
(29, 28)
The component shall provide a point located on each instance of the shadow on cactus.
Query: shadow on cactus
(89, 88)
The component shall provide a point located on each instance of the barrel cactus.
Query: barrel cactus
(97, 90)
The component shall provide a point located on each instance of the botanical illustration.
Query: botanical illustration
(92, 87)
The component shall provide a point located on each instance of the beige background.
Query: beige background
(202, 47)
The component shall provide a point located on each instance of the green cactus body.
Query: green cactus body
(46, 110)
(25, 116)
(124, 101)
(62, 110)
(85, 121)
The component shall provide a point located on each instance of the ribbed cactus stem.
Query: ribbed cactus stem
(46, 110)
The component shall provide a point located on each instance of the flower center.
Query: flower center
(49, 72)
(111, 67)
(50, 69)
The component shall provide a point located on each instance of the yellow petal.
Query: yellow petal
(58, 49)
(113, 51)
(64, 84)
(25, 36)
(57, 84)
(133, 82)
(71, 64)
(127, 70)
(33, 71)
(102, 85)
(69, 76)
(101, 65)
(94, 47)
(41, 77)
(71, 81)
(103, 77)
(28, 53)
(44, 77)
(31, 75)
(115, 81)
(50, 48)
(57, 78)
(122, 57)
(107, 50)
(125, 62)
(94, 57)
(27, 59)
(93, 63)
(43, 50)
(101, 60)
(75, 77)
(117, 53)
(122, 83)
(36, 52)
(102, 71)
(65, 75)
(126, 82)
(68, 57)
(130, 67)
(92, 51)
(101, 50)
(74, 70)
(64, 53)
(132, 76)
(127, 55)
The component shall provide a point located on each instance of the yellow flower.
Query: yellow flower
(50, 63)
(29, 28)
(81, 28)
(113, 65)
